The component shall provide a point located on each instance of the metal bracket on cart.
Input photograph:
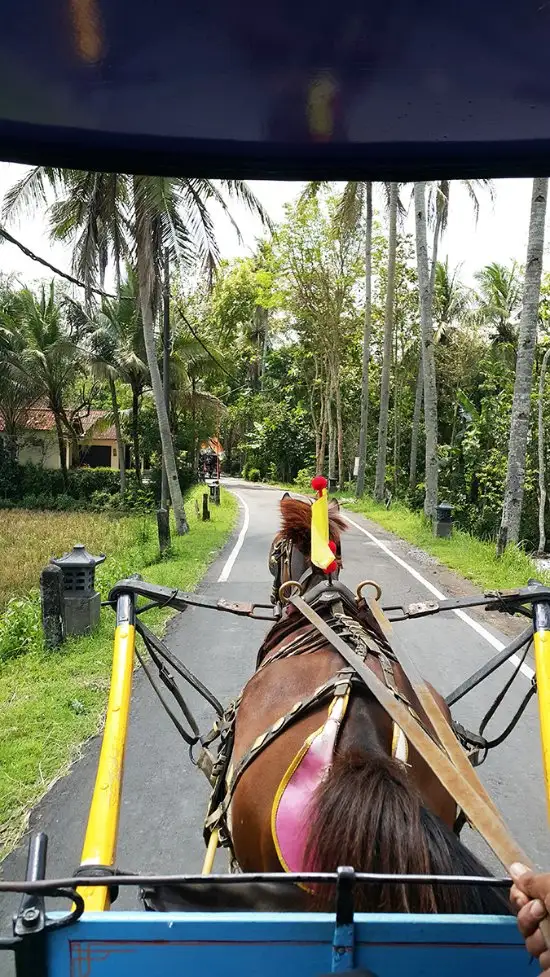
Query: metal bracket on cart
(31, 924)
(506, 601)
(179, 600)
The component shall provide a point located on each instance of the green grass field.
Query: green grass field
(52, 702)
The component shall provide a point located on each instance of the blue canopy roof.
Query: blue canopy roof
(280, 88)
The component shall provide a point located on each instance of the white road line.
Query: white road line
(475, 625)
(224, 575)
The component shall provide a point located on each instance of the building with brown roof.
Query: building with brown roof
(37, 439)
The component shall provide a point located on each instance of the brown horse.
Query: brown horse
(377, 805)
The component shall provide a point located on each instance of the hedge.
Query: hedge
(31, 486)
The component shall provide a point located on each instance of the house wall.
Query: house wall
(40, 449)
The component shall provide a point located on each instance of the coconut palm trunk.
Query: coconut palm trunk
(135, 435)
(331, 447)
(145, 268)
(419, 391)
(121, 448)
(367, 333)
(62, 449)
(521, 405)
(542, 454)
(428, 356)
(339, 433)
(417, 412)
(387, 354)
(164, 493)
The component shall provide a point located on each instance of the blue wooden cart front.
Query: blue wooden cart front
(134, 944)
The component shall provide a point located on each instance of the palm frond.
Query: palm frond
(31, 191)
(350, 207)
(240, 190)
(312, 190)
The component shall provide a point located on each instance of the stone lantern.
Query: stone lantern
(444, 519)
(81, 601)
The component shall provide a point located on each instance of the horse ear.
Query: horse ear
(285, 496)
(334, 504)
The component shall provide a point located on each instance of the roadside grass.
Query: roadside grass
(52, 702)
(472, 558)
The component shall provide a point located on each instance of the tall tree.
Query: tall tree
(438, 210)
(157, 213)
(388, 344)
(521, 405)
(542, 454)
(367, 334)
(319, 260)
(499, 307)
(355, 208)
(428, 357)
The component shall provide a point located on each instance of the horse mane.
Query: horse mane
(296, 522)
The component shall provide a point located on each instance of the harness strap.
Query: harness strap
(444, 732)
(464, 789)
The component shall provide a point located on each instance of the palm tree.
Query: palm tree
(542, 454)
(46, 354)
(380, 478)
(451, 300)
(16, 391)
(428, 357)
(438, 211)
(521, 405)
(91, 215)
(155, 213)
(500, 304)
(191, 366)
(116, 353)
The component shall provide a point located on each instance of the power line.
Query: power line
(42, 261)
(205, 348)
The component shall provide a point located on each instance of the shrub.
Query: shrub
(303, 478)
(20, 628)
(254, 474)
(30, 486)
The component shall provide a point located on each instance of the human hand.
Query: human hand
(530, 897)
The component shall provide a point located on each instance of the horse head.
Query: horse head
(290, 553)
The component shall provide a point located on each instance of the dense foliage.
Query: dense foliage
(267, 355)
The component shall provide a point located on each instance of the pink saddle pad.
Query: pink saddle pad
(289, 818)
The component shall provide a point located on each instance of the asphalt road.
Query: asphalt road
(165, 797)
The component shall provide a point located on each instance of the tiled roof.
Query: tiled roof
(42, 419)
(212, 445)
(34, 419)
(102, 434)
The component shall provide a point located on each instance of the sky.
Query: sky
(499, 235)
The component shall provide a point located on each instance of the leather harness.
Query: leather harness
(363, 630)
(345, 624)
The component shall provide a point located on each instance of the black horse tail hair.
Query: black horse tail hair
(367, 814)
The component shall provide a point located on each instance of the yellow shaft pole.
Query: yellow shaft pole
(541, 641)
(102, 830)
(210, 853)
